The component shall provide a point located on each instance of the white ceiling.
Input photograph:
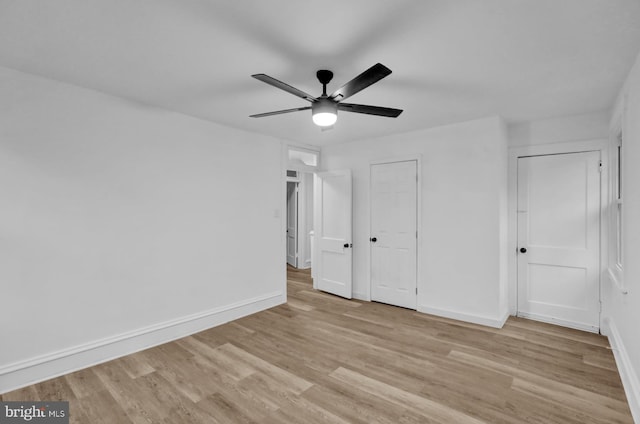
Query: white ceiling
(451, 60)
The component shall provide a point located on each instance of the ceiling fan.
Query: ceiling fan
(324, 109)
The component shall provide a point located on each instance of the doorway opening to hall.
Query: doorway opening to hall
(301, 165)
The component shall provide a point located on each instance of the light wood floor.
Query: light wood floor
(321, 359)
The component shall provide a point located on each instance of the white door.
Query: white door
(292, 224)
(332, 222)
(393, 239)
(558, 239)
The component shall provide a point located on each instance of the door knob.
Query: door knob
(523, 250)
(373, 239)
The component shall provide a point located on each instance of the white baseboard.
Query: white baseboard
(556, 321)
(461, 316)
(628, 374)
(33, 370)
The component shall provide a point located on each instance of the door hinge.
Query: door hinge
(416, 290)
(600, 166)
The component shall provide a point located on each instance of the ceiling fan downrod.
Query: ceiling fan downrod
(324, 76)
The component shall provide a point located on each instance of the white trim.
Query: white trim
(296, 231)
(361, 296)
(395, 159)
(556, 321)
(628, 375)
(614, 278)
(302, 167)
(54, 364)
(282, 212)
(302, 147)
(466, 317)
(614, 269)
(516, 152)
(558, 148)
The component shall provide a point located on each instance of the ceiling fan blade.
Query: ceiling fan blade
(362, 81)
(370, 110)
(282, 86)
(278, 112)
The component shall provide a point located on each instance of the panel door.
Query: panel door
(292, 224)
(558, 239)
(393, 239)
(332, 222)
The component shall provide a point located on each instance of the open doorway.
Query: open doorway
(292, 223)
(299, 219)
(301, 165)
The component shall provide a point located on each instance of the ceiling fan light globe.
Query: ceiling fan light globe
(324, 119)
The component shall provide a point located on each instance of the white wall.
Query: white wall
(462, 266)
(118, 220)
(561, 129)
(621, 312)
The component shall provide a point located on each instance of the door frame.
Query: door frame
(296, 188)
(516, 152)
(280, 212)
(393, 159)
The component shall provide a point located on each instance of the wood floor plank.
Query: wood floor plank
(138, 405)
(551, 389)
(554, 330)
(224, 411)
(84, 383)
(579, 401)
(292, 382)
(101, 407)
(56, 389)
(136, 365)
(300, 305)
(602, 359)
(185, 378)
(355, 405)
(28, 393)
(313, 413)
(237, 369)
(324, 359)
(428, 408)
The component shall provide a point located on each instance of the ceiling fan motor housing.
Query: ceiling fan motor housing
(324, 111)
(324, 76)
(324, 105)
